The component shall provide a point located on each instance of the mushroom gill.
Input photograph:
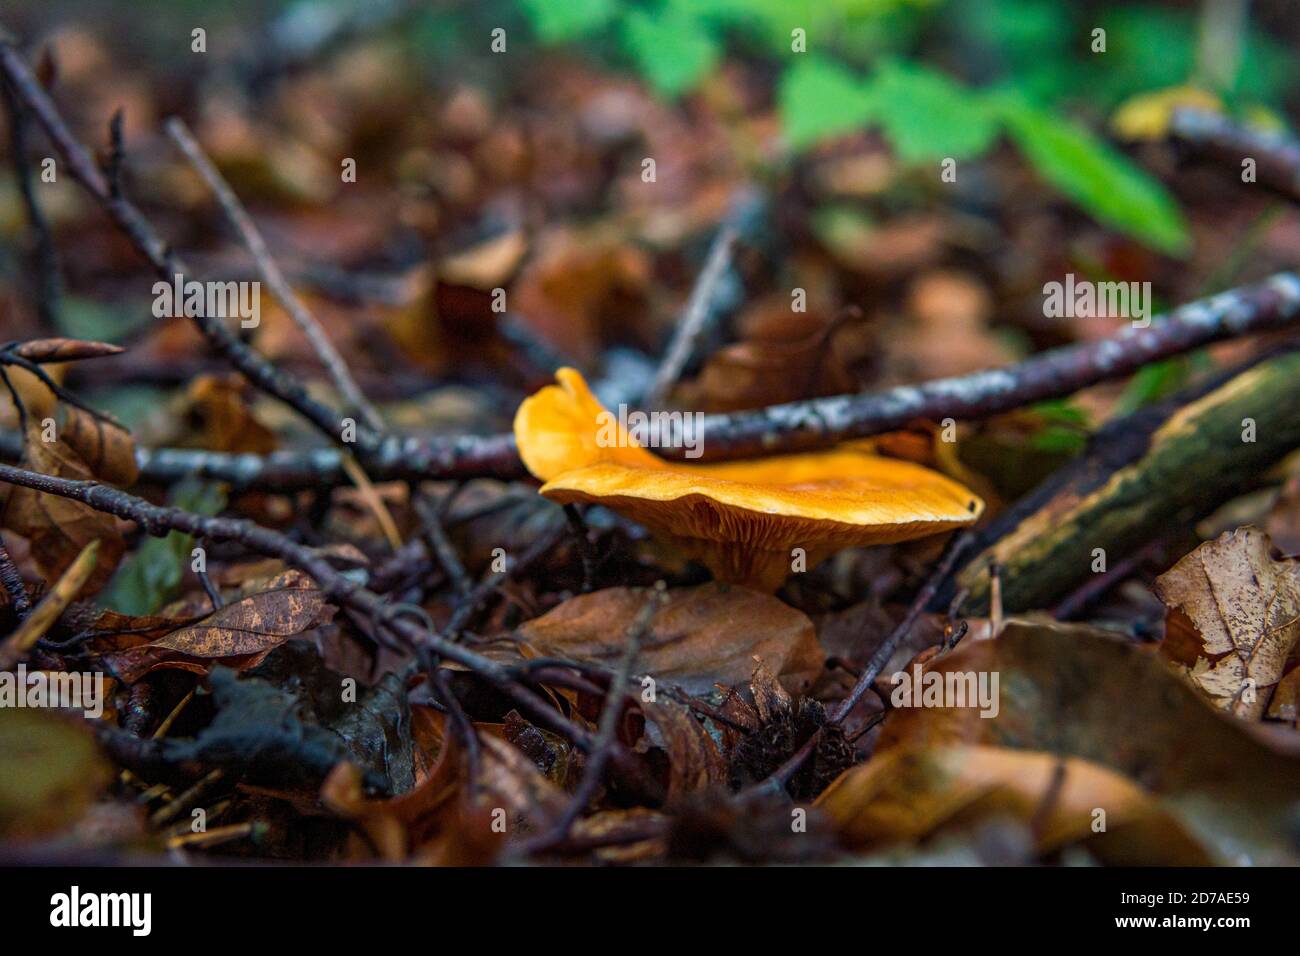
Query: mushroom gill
(744, 519)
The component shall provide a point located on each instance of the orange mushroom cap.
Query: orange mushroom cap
(741, 519)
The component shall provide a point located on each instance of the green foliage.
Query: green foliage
(673, 50)
(820, 99)
(926, 116)
(569, 19)
(152, 575)
(1094, 175)
(1065, 428)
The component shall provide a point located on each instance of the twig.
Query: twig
(585, 550)
(158, 520)
(210, 589)
(819, 423)
(607, 729)
(15, 647)
(12, 581)
(470, 606)
(956, 548)
(50, 283)
(440, 545)
(166, 263)
(392, 630)
(271, 274)
(1275, 152)
(700, 314)
(783, 774)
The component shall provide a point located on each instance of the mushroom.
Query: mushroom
(743, 520)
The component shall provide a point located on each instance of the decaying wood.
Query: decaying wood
(1160, 468)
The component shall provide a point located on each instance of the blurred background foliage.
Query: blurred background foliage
(938, 79)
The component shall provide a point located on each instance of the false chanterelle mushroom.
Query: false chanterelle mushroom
(744, 519)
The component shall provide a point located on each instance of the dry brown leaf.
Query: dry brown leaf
(1285, 704)
(1080, 692)
(59, 528)
(247, 628)
(1234, 618)
(225, 420)
(694, 761)
(906, 795)
(107, 448)
(705, 635)
(64, 350)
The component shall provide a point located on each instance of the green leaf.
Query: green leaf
(927, 116)
(673, 49)
(558, 21)
(1094, 175)
(820, 99)
(151, 577)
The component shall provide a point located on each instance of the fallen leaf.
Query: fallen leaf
(59, 528)
(1080, 692)
(694, 761)
(904, 795)
(290, 605)
(50, 770)
(1234, 619)
(64, 350)
(705, 635)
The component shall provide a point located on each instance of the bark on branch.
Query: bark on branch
(819, 423)
(1160, 468)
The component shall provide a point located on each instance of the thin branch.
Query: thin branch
(780, 777)
(1276, 153)
(607, 730)
(698, 318)
(271, 274)
(166, 263)
(45, 254)
(440, 545)
(472, 603)
(12, 581)
(394, 630)
(938, 577)
(820, 423)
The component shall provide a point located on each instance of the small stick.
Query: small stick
(440, 545)
(210, 589)
(695, 319)
(608, 726)
(822, 422)
(579, 528)
(12, 580)
(885, 651)
(45, 614)
(270, 272)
